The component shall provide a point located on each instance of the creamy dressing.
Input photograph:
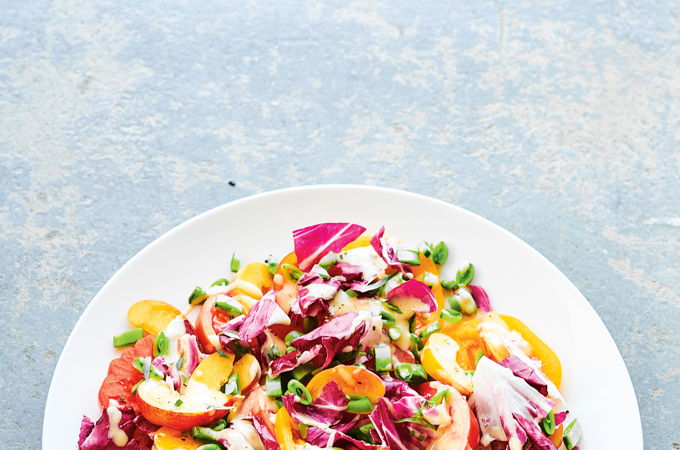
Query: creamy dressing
(244, 287)
(366, 257)
(174, 331)
(319, 290)
(343, 303)
(117, 436)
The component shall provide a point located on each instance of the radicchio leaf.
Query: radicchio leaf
(498, 395)
(314, 294)
(228, 332)
(533, 431)
(264, 314)
(388, 254)
(326, 410)
(313, 242)
(520, 369)
(96, 436)
(417, 290)
(265, 433)
(348, 271)
(323, 343)
(481, 297)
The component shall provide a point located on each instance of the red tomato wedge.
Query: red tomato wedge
(122, 376)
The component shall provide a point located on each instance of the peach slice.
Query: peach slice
(170, 439)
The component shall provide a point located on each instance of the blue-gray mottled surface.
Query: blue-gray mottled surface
(557, 120)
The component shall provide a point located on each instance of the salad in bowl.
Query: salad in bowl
(351, 341)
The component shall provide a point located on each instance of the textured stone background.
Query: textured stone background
(557, 120)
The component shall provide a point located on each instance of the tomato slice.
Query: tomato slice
(122, 376)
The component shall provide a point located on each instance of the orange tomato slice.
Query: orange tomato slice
(361, 241)
(214, 370)
(352, 380)
(152, 315)
(550, 362)
(283, 428)
(169, 439)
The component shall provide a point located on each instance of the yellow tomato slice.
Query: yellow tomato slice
(550, 362)
(257, 274)
(248, 370)
(283, 427)
(361, 241)
(466, 335)
(352, 380)
(168, 439)
(438, 358)
(152, 315)
(214, 370)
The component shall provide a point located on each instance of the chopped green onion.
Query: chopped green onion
(234, 264)
(449, 284)
(290, 337)
(430, 279)
(161, 345)
(205, 434)
(454, 304)
(290, 349)
(128, 337)
(178, 403)
(233, 384)
(299, 389)
(548, 423)
(209, 447)
(411, 257)
(383, 358)
(352, 293)
(273, 387)
(387, 317)
(291, 272)
(301, 372)
(426, 249)
(439, 397)
(478, 356)
(465, 276)
(220, 282)
(219, 425)
(197, 296)
(429, 330)
(450, 315)
(393, 308)
(273, 352)
(271, 264)
(411, 373)
(321, 272)
(135, 387)
(308, 324)
(467, 303)
(360, 405)
(440, 253)
(394, 333)
(230, 306)
(569, 440)
(328, 260)
(416, 345)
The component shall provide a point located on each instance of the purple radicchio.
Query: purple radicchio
(339, 434)
(414, 289)
(481, 297)
(313, 242)
(323, 343)
(169, 372)
(538, 440)
(229, 332)
(314, 294)
(498, 397)
(395, 421)
(521, 369)
(387, 252)
(349, 272)
(266, 435)
(326, 410)
(136, 432)
(264, 314)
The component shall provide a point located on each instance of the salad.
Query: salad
(351, 341)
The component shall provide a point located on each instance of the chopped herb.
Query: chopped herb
(439, 397)
(387, 317)
(221, 353)
(178, 403)
(440, 253)
(271, 264)
(454, 304)
(230, 306)
(449, 284)
(548, 423)
(128, 337)
(393, 308)
(234, 264)
(197, 296)
(161, 345)
(465, 276)
(450, 315)
(291, 272)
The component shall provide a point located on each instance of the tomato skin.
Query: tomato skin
(473, 437)
(122, 376)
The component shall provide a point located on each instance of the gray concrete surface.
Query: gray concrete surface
(557, 120)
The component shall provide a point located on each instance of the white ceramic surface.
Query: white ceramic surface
(519, 280)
